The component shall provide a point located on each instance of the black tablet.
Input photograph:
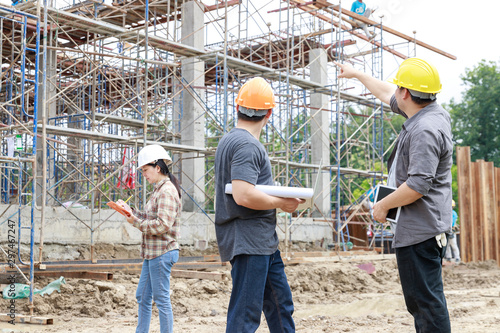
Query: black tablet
(381, 192)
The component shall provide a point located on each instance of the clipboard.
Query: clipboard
(118, 208)
(381, 192)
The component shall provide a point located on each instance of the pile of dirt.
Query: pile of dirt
(330, 295)
(341, 277)
(85, 298)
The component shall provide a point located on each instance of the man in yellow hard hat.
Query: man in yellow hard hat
(420, 169)
(245, 221)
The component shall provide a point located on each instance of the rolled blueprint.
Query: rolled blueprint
(280, 191)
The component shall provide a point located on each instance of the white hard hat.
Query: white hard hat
(153, 153)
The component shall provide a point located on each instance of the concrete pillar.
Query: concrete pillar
(320, 143)
(74, 155)
(193, 111)
(50, 112)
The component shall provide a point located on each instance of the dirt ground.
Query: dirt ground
(354, 293)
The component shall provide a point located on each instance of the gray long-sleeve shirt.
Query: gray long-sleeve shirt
(424, 162)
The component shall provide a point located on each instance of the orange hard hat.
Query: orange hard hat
(256, 94)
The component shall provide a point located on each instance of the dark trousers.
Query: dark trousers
(419, 268)
(259, 285)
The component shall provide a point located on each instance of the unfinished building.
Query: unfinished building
(84, 85)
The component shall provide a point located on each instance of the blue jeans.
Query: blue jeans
(419, 268)
(154, 284)
(259, 284)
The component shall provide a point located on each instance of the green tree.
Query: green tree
(476, 119)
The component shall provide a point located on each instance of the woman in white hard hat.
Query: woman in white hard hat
(159, 223)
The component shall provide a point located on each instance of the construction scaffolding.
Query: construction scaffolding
(19, 90)
(114, 77)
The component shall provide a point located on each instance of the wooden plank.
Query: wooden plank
(202, 258)
(464, 201)
(220, 5)
(62, 268)
(23, 319)
(489, 197)
(293, 261)
(105, 276)
(486, 210)
(394, 32)
(200, 265)
(297, 255)
(477, 228)
(310, 9)
(211, 257)
(482, 205)
(217, 276)
(496, 206)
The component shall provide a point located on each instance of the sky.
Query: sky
(462, 28)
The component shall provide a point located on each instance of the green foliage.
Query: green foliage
(213, 135)
(392, 130)
(454, 183)
(476, 119)
(361, 154)
(364, 186)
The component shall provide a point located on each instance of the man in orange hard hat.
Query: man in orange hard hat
(245, 222)
(420, 169)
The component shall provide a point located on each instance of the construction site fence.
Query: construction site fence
(479, 208)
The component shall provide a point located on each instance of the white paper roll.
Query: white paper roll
(280, 191)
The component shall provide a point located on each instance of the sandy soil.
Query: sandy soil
(331, 294)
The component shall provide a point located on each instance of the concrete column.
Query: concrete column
(74, 155)
(193, 111)
(320, 143)
(50, 112)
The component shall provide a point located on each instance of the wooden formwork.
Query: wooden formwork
(479, 202)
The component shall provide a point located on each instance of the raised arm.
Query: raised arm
(380, 89)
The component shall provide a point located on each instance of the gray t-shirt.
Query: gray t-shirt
(242, 230)
(424, 159)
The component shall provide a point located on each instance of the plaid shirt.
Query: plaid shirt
(160, 221)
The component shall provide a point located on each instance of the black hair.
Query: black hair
(418, 100)
(166, 172)
(256, 119)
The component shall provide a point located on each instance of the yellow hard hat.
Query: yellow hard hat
(453, 203)
(256, 94)
(418, 75)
